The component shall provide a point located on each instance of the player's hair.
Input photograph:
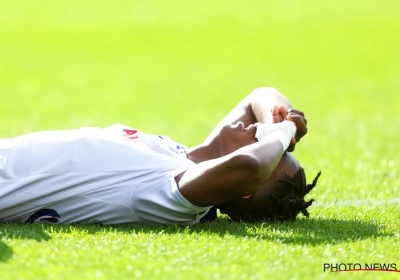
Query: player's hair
(284, 203)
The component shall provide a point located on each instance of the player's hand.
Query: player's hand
(278, 114)
(300, 121)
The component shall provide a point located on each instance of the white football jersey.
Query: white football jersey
(111, 176)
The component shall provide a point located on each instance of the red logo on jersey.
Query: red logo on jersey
(130, 134)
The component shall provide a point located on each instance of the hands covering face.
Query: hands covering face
(279, 114)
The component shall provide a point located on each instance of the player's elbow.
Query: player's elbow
(248, 165)
(266, 91)
(273, 94)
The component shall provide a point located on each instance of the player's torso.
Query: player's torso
(116, 148)
(91, 174)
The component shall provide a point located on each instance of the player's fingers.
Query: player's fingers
(300, 124)
(296, 111)
(293, 114)
(291, 147)
(305, 120)
(276, 118)
(283, 112)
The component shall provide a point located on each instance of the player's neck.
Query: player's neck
(205, 152)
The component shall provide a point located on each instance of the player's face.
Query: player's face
(236, 136)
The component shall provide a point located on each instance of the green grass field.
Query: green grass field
(176, 68)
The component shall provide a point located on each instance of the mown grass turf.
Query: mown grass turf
(177, 68)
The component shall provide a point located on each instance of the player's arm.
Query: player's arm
(240, 173)
(255, 107)
(264, 105)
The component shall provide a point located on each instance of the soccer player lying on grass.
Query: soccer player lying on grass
(120, 175)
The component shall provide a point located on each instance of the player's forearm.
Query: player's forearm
(262, 100)
(265, 157)
(273, 140)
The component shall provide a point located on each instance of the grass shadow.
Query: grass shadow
(304, 231)
(24, 231)
(19, 231)
(5, 252)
